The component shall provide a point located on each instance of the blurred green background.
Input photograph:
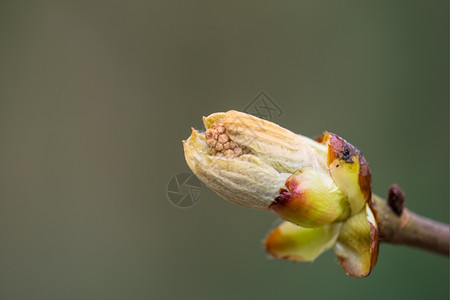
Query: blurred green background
(96, 96)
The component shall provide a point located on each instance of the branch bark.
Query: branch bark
(410, 229)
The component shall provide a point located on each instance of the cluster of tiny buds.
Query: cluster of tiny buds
(220, 144)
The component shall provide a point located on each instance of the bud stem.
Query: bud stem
(410, 229)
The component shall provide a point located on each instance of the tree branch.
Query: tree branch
(409, 229)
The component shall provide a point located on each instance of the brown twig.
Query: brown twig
(397, 225)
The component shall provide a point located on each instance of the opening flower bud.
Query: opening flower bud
(321, 188)
(247, 160)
